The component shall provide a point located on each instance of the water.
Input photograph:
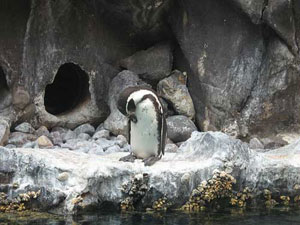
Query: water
(233, 217)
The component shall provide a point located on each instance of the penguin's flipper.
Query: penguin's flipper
(129, 158)
(151, 160)
(163, 134)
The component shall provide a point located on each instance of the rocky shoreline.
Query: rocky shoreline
(70, 182)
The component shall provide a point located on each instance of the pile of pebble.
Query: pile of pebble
(85, 138)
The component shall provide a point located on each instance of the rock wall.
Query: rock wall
(241, 59)
(244, 62)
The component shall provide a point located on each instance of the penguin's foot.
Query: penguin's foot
(128, 158)
(151, 160)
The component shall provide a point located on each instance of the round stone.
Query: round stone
(63, 176)
(44, 142)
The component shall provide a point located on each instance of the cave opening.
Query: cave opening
(4, 91)
(69, 89)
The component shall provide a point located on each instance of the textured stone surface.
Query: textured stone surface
(56, 137)
(37, 44)
(84, 136)
(42, 131)
(180, 128)
(154, 63)
(4, 132)
(173, 89)
(273, 104)
(69, 135)
(85, 128)
(223, 70)
(273, 142)
(241, 57)
(117, 123)
(64, 175)
(19, 138)
(279, 15)
(44, 142)
(253, 9)
(61, 130)
(242, 73)
(101, 134)
(25, 128)
(171, 148)
(255, 143)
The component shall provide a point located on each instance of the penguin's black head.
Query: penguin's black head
(128, 106)
(122, 101)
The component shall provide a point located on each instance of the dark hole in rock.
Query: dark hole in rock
(5, 99)
(69, 88)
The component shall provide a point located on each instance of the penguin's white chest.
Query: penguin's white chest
(144, 134)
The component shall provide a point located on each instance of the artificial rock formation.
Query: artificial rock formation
(60, 67)
(71, 181)
(241, 58)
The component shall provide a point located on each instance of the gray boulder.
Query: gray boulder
(4, 132)
(31, 144)
(61, 130)
(105, 144)
(214, 146)
(117, 123)
(84, 136)
(42, 130)
(180, 128)
(255, 143)
(154, 63)
(56, 138)
(20, 138)
(10, 146)
(85, 128)
(121, 141)
(100, 127)
(69, 135)
(171, 148)
(101, 134)
(112, 149)
(174, 89)
(25, 128)
(273, 142)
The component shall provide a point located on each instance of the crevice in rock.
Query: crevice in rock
(5, 97)
(265, 5)
(69, 89)
(295, 24)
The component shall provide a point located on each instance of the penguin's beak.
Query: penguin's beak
(132, 117)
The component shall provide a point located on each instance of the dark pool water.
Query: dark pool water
(231, 217)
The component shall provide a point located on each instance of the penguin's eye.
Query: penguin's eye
(131, 106)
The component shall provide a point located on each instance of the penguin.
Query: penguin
(147, 124)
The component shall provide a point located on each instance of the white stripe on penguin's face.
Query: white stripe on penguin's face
(138, 95)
